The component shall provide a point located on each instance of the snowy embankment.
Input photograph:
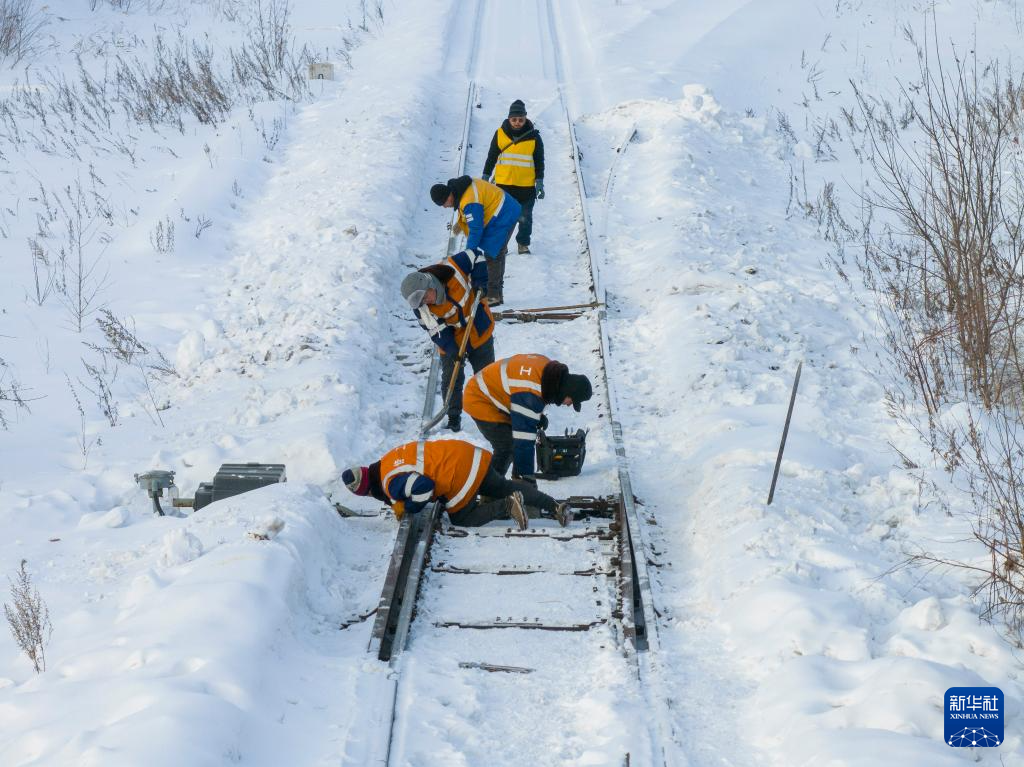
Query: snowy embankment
(786, 622)
(214, 639)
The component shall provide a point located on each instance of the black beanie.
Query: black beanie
(517, 109)
(577, 387)
(439, 193)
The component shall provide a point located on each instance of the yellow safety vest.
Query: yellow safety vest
(485, 193)
(515, 162)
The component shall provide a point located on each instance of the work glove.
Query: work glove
(478, 277)
(542, 424)
(540, 188)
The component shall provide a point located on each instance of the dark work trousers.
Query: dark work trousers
(526, 196)
(500, 437)
(497, 487)
(479, 358)
(496, 274)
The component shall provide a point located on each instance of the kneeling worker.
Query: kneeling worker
(454, 472)
(507, 399)
(441, 296)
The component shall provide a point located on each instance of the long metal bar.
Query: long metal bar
(418, 558)
(387, 613)
(647, 662)
(785, 433)
(459, 362)
(643, 607)
(433, 377)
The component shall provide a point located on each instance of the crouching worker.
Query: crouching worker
(506, 400)
(487, 216)
(442, 296)
(455, 472)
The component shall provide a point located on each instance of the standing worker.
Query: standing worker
(516, 158)
(506, 400)
(486, 217)
(442, 296)
(454, 472)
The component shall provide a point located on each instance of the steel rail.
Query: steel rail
(433, 377)
(642, 603)
(415, 536)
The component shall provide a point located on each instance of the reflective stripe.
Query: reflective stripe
(417, 467)
(521, 383)
(504, 377)
(525, 411)
(409, 482)
(519, 160)
(466, 488)
(523, 435)
(461, 280)
(500, 205)
(483, 387)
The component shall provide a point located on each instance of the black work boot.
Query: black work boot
(454, 422)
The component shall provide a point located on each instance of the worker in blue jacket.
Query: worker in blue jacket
(487, 216)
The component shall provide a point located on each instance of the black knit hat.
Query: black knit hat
(577, 387)
(439, 193)
(517, 109)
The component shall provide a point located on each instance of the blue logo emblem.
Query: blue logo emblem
(974, 717)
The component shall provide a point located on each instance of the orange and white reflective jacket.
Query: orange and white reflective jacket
(447, 322)
(416, 473)
(509, 391)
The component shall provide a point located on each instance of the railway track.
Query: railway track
(513, 614)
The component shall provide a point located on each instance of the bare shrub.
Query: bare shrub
(43, 277)
(202, 224)
(162, 236)
(954, 271)
(20, 25)
(181, 80)
(947, 271)
(79, 258)
(102, 377)
(85, 442)
(12, 393)
(124, 345)
(267, 60)
(29, 618)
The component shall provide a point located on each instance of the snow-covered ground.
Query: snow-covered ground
(787, 636)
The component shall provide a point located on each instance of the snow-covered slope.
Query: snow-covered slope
(789, 636)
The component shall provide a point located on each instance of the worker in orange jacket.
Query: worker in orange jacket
(442, 296)
(506, 400)
(455, 473)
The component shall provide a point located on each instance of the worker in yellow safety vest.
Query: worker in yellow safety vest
(516, 160)
(486, 216)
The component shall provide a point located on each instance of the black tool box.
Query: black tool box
(561, 456)
(235, 478)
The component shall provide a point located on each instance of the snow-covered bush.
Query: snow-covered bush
(944, 255)
(29, 619)
(20, 25)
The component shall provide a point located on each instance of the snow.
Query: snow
(789, 634)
